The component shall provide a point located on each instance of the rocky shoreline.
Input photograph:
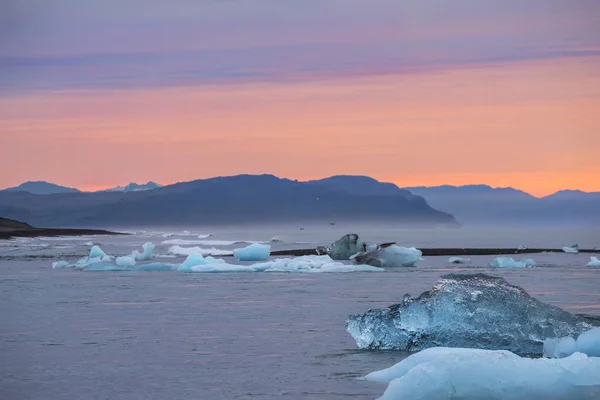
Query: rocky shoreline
(11, 229)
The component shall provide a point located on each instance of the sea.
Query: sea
(70, 334)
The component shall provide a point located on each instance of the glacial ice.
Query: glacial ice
(571, 249)
(197, 259)
(254, 252)
(126, 261)
(588, 343)
(594, 262)
(391, 256)
(508, 262)
(476, 310)
(60, 264)
(445, 373)
(186, 251)
(311, 264)
(345, 247)
(458, 260)
(146, 255)
(220, 267)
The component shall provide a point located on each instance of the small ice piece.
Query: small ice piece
(521, 247)
(60, 264)
(390, 256)
(588, 343)
(508, 262)
(254, 252)
(196, 259)
(458, 260)
(126, 261)
(96, 256)
(372, 247)
(104, 266)
(185, 251)
(571, 249)
(594, 262)
(167, 235)
(146, 255)
(96, 252)
(493, 374)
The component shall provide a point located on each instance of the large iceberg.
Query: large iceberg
(254, 252)
(462, 373)
(146, 255)
(345, 247)
(571, 249)
(594, 262)
(390, 256)
(508, 262)
(588, 343)
(476, 310)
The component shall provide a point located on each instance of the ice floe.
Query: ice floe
(594, 262)
(508, 262)
(254, 252)
(588, 343)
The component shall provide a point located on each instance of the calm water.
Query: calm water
(154, 335)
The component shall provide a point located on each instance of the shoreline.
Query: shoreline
(53, 232)
(447, 251)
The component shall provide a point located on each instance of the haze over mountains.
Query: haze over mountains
(265, 198)
(227, 200)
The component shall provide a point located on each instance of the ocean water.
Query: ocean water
(69, 334)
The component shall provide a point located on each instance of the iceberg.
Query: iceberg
(571, 249)
(458, 260)
(254, 252)
(345, 247)
(507, 262)
(186, 251)
(462, 373)
(587, 343)
(196, 259)
(311, 264)
(146, 255)
(521, 247)
(391, 256)
(471, 310)
(60, 264)
(126, 261)
(594, 262)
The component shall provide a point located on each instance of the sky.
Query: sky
(95, 94)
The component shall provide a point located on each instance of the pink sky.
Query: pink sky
(470, 101)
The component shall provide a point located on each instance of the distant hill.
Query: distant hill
(11, 225)
(134, 187)
(484, 205)
(252, 199)
(362, 185)
(41, 187)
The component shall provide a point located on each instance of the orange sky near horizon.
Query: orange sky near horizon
(532, 125)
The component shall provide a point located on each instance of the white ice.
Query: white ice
(587, 343)
(254, 252)
(396, 256)
(444, 373)
(521, 247)
(311, 264)
(458, 260)
(126, 261)
(508, 262)
(197, 259)
(60, 264)
(571, 249)
(185, 251)
(146, 255)
(594, 262)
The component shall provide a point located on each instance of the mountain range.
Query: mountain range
(228, 200)
(248, 199)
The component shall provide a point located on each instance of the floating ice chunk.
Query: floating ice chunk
(126, 261)
(146, 255)
(104, 266)
(587, 343)
(508, 262)
(96, 252)
(594, 262)
(391, 256)
(476, 310)
(185, 251)
(474, 374)
(204, 236)
(372, 247)
(254, 252)
(521, 247)
(196, 259)
(571, 249)
(311, 264)
(275, 239)
(220, 267)
(60, 264)
(167, 235)
(345, 247)
(458, 260)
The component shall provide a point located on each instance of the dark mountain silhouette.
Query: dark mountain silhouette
(226, 200)
(41, 187)
(483, 205)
